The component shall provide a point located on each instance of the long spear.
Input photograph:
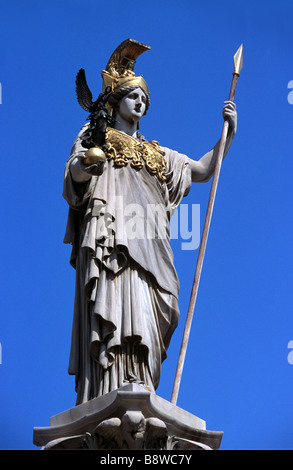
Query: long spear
(238, 64)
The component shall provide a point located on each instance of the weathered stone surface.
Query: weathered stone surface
(128, 418)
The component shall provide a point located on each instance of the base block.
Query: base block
(129, 418)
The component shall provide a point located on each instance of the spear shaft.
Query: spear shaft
(238, 63)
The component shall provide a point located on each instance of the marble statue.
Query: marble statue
(122, 191)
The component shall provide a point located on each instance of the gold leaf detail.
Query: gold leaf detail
(123, 149)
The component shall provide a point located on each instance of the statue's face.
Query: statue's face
(133, 105)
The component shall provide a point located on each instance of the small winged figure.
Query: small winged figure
(125, 433)
(109, 434)
(99, 117)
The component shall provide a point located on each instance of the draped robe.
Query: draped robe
(126, 293)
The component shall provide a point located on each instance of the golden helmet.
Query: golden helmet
(119, 72)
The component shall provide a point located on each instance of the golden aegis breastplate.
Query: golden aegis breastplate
(124, 149)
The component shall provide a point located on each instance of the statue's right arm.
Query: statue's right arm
(80, 172)
(77, 169)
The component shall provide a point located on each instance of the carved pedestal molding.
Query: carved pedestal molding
(130, 418)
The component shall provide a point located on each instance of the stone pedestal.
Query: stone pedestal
(130, 418)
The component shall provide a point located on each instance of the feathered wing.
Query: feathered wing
(111, 433)
(83, 93)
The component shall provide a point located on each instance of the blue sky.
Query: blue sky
(237, 374)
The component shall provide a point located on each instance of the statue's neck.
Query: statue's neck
(129, 128)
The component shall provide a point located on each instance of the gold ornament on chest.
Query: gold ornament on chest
(124, 149)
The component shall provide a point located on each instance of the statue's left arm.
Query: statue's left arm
(202, 170)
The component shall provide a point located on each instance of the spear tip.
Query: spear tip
(238, 60)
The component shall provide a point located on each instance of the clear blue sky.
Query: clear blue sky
(237, 375)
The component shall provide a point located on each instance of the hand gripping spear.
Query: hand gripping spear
(238, 64)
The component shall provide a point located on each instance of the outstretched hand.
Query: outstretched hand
(95, 169)
(230, 113)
